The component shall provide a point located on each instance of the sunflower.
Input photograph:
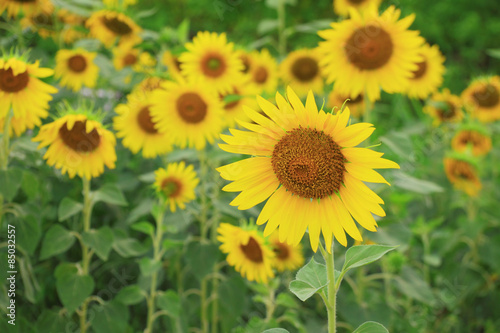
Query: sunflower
(71, 31)
(20, 87)
(341, 7)
(149, 84)
(19, 124)
(135, 125)
(246, 60)
(176, 184)
(305, 162)
(263, 71)
(369, 52)
(28, 7)
(78, 144)
(42, 22)
(356, 105)
(482, 98)
(125, 56)
(76, 68)
(190, 112)
(462, 173)
(287, 257)
(301, 71)
(444, 107)
(211, 59)
(173, 64)
(472, 136)
(109, 26)
(429, 75)
(117, 3)
(247, 252)
(235, 100)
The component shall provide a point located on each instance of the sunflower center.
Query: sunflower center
(369, 47)
(177, 63)
(145, 121)
(260, 75)
(447, 111)
(171, 187)
(13, 83)
(281, 251)
(191, 107)
(78, 139)
(305, 69)
(213, 65)
(252, 251)
(422, 68)
(356, 100)
(487, 97)
(117, 26)
(129, 59)
(308, 163)
(77, 63)
(463, 171)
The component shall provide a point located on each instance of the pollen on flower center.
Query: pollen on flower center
(13, 83)
(305, 69)
(260, 75)
(145, 121)
(171, 187)
(213, 65)
(421, 70)
(281, 251)
(487, 97)
(191, 107)
(78, 139)
(77, 63)
(252, 251)
(308, 163)
(369, 47)
(117, 26)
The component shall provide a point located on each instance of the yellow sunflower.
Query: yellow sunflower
(342, 7)
(20, 87)
(356, 105)
(474, 137)
(173, 64)
(27, 7)
(19, 124)
(149, 84)
(306, 163)
(370, 52)
(78, 145)
(41, 22)
(135, 125)
(176, 184)
(125, 56)
(246, 60)
(109, 26)
(444, 107)
(301, 71)
(211, 59)
(263, 71)
(429, 75)
(482, 98)
(72, 22)
(76, 68)
(287, 257)
(234, 101)
(247, 252)
(190, 112)
(462, 173)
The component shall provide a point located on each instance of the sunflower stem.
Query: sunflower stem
(4, 152)
(332, 290)
(86, 256)
(281, 28)
(203, 234)
(368, 108)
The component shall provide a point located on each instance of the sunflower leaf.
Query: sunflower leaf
(371, 327)
(361, 255)
(309, 280)
(68, 207)
(110, 193)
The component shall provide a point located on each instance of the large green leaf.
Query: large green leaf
(127, 247)
(57, 240)
(309, 280)
(72, 286)
(51, 321)
(144, 227)
(10, 181)
(371, 327)
(111, 317)
(130, 295)
(28, 233)
(110, 193)
(30, 184)
(170, 302)
(149, 266)
(361, 255)
(68, 207)
(100, 240)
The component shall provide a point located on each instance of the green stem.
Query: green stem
(204, 306)
(332, 290)
(4, 151)
(204, 237)
(270, 304)
(368, 108)
(87, 211)
(281, 29)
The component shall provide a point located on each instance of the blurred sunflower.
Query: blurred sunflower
(176, 184)
(245, 60)
(190, 112)
(135, 125)
(462, 173)
(71, 31)
(263, 71)
(444, 107)
(27, 7)
(76, 68)
(370, 52)
(109, 26)
(149, 84)
(117, 3)
(287, 257)
(429, 75)
(211, 59)
(173, 64)
(41, 22)
(247, 252)
(19, 124)
(305, 162)
(233, 103)
(482, 98)
(474, 137)
(341, 7)
(301, 71)
(126, 56)
(356, 105)
(78, 144)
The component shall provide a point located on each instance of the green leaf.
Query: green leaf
(309, 280)
(57, 240)
(127, 247)
(411, 283)
(286, 300)
(495, 53)
(100, 240)
(266, 26)
(149, 266)
(361, 255)
(130, 295)
(276, 330)
(68, 207)
(72, 287)
(201, 258)
(170, 302)
(407, 182)
(371, 327)
(110, 193)
(144, 227)
(11, 181)
(51, 321)
(28, 233)
(30, 184)
(111, 317)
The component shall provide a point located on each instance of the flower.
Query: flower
(263, 71)
(176, 184)
(444, 107)
(233, 103)
(304, 161)
(342, 7)
(14, 7)
(301, 71)
(108, 26)
(173, 64)
(76, 68)
(356, 105)
(429, 75)
(462, 173)
(287, 257)
(471, 136)
(482, 98)
(126, 56)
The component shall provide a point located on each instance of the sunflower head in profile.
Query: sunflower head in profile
(428, 77)
(263, 71)
(305, 162)
(482, 98)
(462, 173)
(356, 105)
(77, 143)
(247, 251)
(76, 68)
(287, 257)
(301, 71)
(370, 52)
(136, 126)
(444, 107)
(110, 26)
(189, 112)
(472, 137)
(173, 64)
(342, 7)
(27, 7)
(176, 184)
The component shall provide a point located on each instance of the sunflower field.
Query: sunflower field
(248, 166)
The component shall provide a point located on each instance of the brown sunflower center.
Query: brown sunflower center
(260, 75)
(281, 251)
(191, 107)
(422, 68)
(308, 163)
(369, 47)
(252, 251)
(447, 111)
(487, 97)
(356, 100)
(305, 69)
(130, 59)
(13, 83)
(77, 63)
(171, 187)
(213, 65)
(177, 63)
(145, 121)
(117, 26)
(78, 139)
(463, 171)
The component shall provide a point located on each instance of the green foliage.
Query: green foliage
(72, 287)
